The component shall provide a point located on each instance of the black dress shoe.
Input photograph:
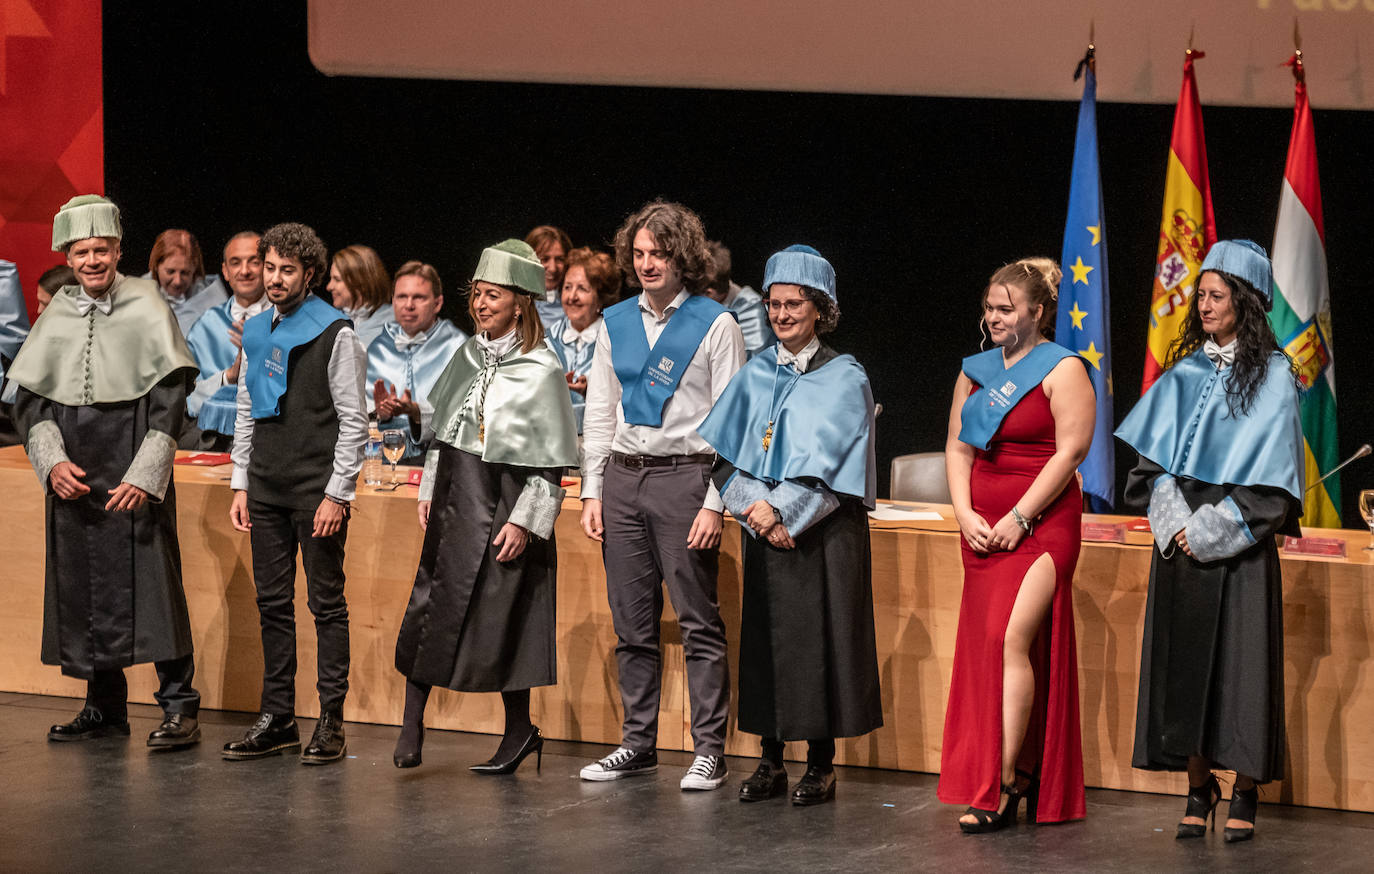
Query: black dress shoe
(89, 724)
(534, 742)
(269, 736)
(768, 781)
(327, 743)
(176, 732)
(816, 787)
(407, 756)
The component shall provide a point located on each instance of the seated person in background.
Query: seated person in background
(359, 285)
(407, 357)
(216, 338)
(591, 283)
(50, 282)
(743, 301)
(552, 245)
(178, 267)
(14, 327)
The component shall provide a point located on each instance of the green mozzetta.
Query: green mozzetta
(527, 418)
(97, 358)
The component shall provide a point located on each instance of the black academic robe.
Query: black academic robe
(474, 624)
(112, 594)
(1211, 661)
(808, 658)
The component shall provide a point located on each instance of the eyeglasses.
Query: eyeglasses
(792, 306)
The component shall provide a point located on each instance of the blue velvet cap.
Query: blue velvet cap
(800, 265)
(1245, 260)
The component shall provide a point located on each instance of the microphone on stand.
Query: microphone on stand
(1359, 453)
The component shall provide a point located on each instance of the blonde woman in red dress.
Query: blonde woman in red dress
(1020, 423)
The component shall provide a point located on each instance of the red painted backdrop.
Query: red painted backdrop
(52, 131)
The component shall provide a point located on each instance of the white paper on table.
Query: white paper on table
(888, 513)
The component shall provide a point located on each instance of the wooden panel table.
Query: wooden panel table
(1328, 615)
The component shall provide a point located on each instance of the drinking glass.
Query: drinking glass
(1367, 511)
(393, 447)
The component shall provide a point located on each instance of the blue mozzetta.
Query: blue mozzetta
(1184, 424)
(814, 433)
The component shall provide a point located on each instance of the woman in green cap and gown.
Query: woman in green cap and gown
(481, 613)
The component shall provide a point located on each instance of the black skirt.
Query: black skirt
(808, 659)
(474, 624)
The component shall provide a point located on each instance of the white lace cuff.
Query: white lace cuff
(151, 469)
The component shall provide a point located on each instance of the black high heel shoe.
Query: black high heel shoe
(1031, 792)
(1244, 806)
(534, 743)
(992, 820)
(409, 758)
(1202, 803)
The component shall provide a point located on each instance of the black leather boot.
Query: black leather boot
(176, 732)
(89, 724)
(271, 735)
(327, 743)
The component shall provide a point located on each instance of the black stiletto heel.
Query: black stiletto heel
(1031, 792)
(992, 821)
(1244, 806)
(534, 743)
(1202, 803)
(409, 758)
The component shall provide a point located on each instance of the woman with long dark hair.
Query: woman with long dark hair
(1221, 469)
(1021, 422)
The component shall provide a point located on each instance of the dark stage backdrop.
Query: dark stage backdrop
(216, 124)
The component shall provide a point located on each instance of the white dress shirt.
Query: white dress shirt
(604, 428)
(347, 378)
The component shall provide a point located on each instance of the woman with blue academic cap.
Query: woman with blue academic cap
(794, 433)
(1221, 468)
(1020, 423)
(482, 610)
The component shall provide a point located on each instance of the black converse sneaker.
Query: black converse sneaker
(623, 762)
(707, 772)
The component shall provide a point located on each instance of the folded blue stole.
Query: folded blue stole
(267, 353)
(822, 427)
(1002, 388)
(648, 377)
(1185, 425)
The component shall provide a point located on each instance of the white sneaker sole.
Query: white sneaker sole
(596, 774)
(703, 784)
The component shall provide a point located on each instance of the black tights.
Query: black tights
(820, 753)
(518, 726)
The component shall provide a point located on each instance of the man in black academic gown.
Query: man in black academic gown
(102, 383)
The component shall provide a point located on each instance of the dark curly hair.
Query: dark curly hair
(678, 232)
(295, 240)
(827, 311)
(1255, 342)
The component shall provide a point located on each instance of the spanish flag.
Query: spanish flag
(1186, 230)
(1301, 317)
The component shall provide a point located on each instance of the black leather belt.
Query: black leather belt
(636, 462)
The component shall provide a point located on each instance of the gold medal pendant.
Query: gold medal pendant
(768, 437)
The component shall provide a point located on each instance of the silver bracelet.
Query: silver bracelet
(1025, 524)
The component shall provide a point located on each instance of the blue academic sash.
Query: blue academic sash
(822, 428)
(209, 340)
(1185, 425)
(649, 377)
(267, 353)
(1002, 388)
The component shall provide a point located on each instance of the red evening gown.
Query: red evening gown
(971, 761)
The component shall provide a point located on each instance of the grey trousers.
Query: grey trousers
(647, 514)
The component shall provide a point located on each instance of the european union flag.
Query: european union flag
(1084, 314)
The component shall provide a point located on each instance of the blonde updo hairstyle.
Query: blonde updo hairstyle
(1038, 278)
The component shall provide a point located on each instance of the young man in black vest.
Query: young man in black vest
(298, 447)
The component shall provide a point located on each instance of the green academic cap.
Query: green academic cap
(83, 217)
(511, 264)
